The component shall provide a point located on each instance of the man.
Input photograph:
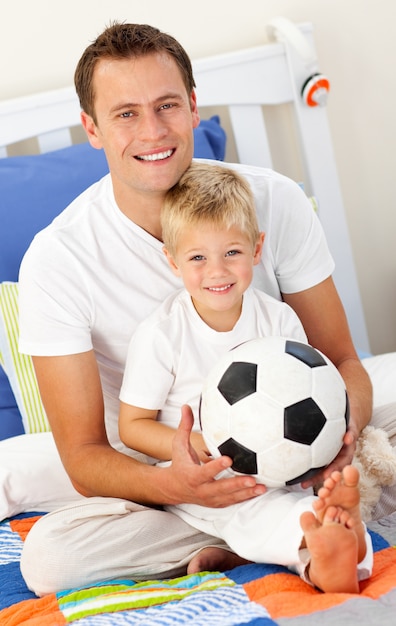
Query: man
(96, 272)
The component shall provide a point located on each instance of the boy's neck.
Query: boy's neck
(220, 321)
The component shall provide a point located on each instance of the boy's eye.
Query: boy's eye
(232, 252)
(197, 257)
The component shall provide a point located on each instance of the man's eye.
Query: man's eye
(126, 114)
(166, 106)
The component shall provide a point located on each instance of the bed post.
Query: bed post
(321, 175)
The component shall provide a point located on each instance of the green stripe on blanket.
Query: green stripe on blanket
(122, 595)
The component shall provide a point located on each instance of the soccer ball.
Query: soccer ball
(277, 407)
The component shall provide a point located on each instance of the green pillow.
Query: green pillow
(19, 367)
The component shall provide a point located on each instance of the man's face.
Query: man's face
(144, 122)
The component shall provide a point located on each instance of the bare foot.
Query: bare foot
(341, 489)
(334, 550)
(214, 559)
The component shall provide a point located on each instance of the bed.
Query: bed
(243, 96)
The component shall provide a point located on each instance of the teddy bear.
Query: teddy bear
(376, 461)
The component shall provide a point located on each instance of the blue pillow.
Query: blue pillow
(210, 140)
(34, 189)
(10, 417)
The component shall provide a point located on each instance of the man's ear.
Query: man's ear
(258, 248)
(91, 130)
(194, 109)
(171, 262)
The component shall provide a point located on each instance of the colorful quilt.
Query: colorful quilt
(251, 594)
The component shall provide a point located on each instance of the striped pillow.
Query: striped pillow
(19, 367)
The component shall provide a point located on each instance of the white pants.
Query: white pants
(264, 530)
(105, 538)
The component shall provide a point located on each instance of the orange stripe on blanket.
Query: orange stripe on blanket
(286, 595)
(22, 526)
(38, 612)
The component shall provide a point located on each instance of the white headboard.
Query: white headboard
(245, 82)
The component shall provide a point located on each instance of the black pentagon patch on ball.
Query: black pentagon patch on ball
(303, 421)
(238, 381)
(305, 353)
(347, 409)
(243, 459)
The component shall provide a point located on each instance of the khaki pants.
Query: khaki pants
(106, 538)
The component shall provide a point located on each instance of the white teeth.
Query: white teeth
(219, 288)
(155, 157)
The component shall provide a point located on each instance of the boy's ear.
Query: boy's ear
(258, 248)
(171, 261)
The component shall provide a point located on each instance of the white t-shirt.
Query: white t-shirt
(92, 275)
(177, 349)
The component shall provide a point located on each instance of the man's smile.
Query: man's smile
(158, 156)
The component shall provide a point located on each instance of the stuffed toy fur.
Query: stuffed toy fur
(376, 461)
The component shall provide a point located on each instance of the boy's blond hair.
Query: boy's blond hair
(212, 194)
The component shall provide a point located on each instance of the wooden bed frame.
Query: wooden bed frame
(250, 85)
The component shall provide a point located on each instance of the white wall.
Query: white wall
(41, 42)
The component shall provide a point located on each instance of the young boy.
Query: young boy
(212, 241)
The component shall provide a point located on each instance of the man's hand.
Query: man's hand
(343, 458)
(198, 444)
(191, 482)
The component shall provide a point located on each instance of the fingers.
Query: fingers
(186, 419)
(182, 450)
(343, 458)
(199, 483)
(350, 438)
(227, 491)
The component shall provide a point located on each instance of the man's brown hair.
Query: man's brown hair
(125, 41)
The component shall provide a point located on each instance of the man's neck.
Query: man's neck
(142, 209)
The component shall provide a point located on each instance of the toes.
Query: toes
(308, 522)
(318, 504)
(350, 476)
(324, 492)
(347, 520)
(332, 480)
(332, 515)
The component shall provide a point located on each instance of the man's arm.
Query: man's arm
(72, 396)
(323, 317)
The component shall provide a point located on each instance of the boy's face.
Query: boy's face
(216, 266)
(145, 120)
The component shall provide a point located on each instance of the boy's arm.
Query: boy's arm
(140, 430)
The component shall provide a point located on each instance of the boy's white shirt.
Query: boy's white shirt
(173, 350)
